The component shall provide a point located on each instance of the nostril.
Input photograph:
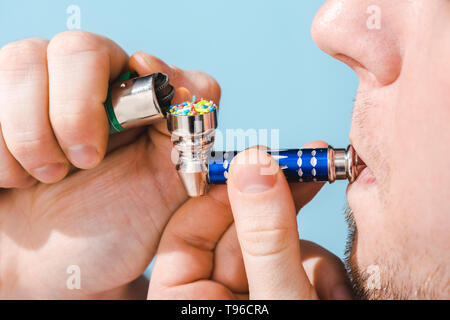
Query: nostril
(361, 71)
(352, 63)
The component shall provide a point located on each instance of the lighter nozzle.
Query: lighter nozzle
(193, 139)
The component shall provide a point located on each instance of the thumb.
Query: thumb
(266, 225)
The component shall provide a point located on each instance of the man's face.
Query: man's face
(400, 51)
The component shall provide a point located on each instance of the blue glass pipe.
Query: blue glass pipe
(298, 165)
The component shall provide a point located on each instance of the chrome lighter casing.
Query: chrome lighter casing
(134, 102)
(193, 139)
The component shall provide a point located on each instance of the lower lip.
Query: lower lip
(366, 177)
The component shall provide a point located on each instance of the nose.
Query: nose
(364, 36)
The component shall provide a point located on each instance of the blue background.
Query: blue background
(268, 43)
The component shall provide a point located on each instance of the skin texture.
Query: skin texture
(399, 245)
(246, 245)
(106, 220)
(400, 129)
(241, 241)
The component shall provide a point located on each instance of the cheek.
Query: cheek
(421, 157)
(413, 134)
(420, 180)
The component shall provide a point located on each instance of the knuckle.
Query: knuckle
(21, 54)
(72, 42)
(196, 241)
(264, 242)
(25, 144)
(80, 111)
(232, 246)
(27, 46)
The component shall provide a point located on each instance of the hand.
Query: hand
(200, 257)
(106, 220)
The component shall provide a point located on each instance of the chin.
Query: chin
(377, 265)
(365, 260)
(364, 274)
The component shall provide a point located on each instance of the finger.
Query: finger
(198, 83)
(181, 94)
(12, 175)
(184, 260)
(304, 192)
(24, 117)
(326, 272)
(80, 66)
(186, 83)
(265, 218)
(229, 266)
(144, 63)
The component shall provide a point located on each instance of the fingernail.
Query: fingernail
(83, 156)
(252, 172)
(50, 172)
(342, 292)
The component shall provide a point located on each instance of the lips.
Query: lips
(365, 175)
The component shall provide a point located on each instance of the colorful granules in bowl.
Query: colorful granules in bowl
(194, 107)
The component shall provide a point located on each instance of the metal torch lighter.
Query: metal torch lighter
(138, 101)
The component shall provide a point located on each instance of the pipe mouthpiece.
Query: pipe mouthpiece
(344, 164)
